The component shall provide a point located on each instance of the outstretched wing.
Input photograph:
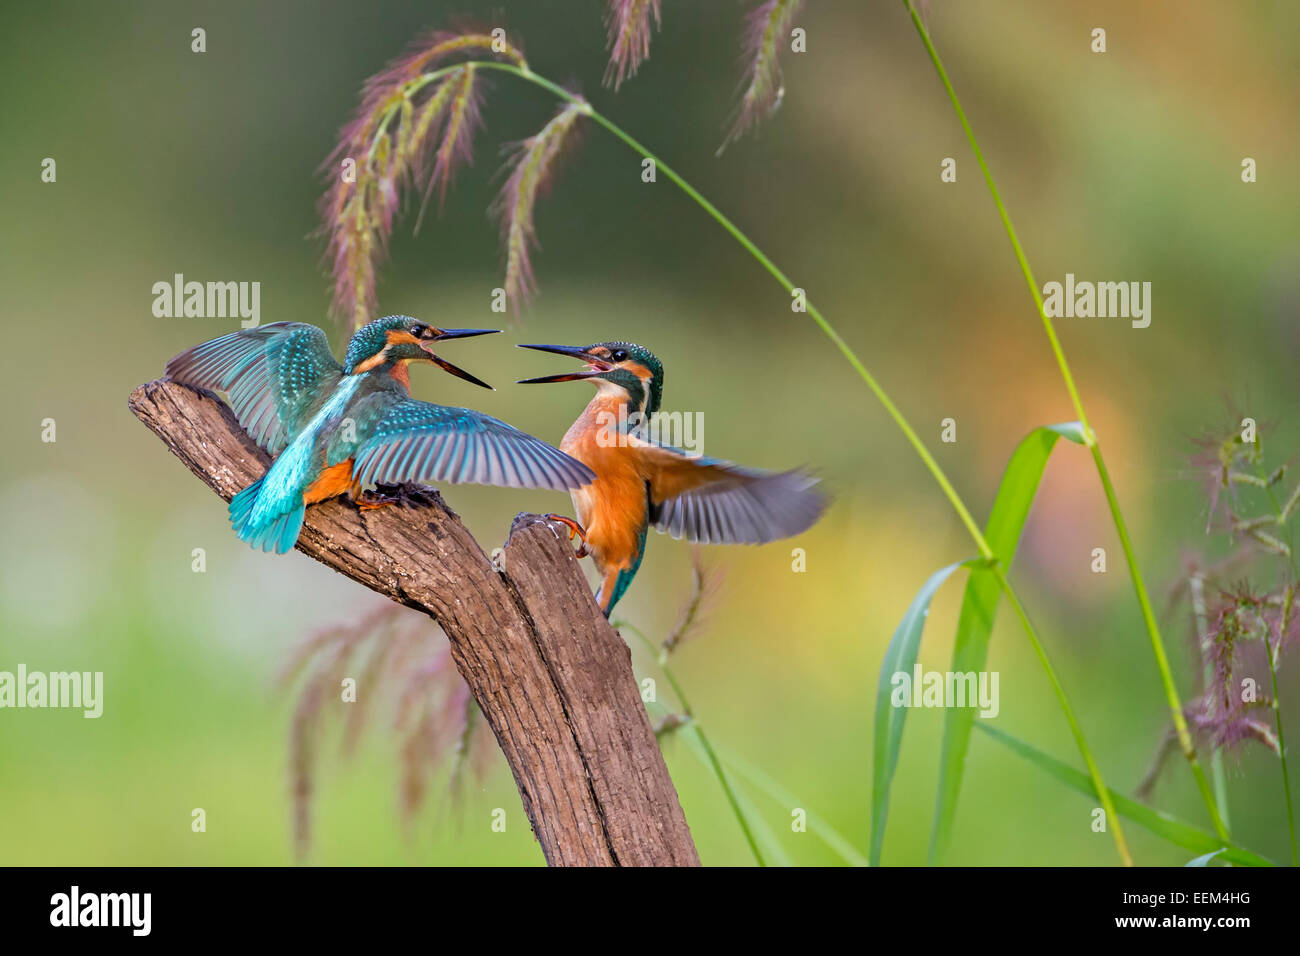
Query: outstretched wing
(419, 441)
(715, 502)
(273, 375)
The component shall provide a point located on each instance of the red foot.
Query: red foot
(574, 529)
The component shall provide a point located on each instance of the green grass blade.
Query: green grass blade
(772, 848)
(1205, 859)
(899, 656)
(979, 607)
(783, 797)
(1157, 821)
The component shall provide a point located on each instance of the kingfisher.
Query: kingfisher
(345, 429)
(642, 482)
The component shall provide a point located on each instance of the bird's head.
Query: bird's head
(400, 338)
(619, 366)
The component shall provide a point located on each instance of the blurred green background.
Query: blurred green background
(1123, 166)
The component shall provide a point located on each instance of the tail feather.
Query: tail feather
(615, 583)
(283, 533)
(278, 534)
(242, 505)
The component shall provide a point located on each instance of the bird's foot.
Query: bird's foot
(406, 493)
(374, 500)
(417, 495)
(575, 529)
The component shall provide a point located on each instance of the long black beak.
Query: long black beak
(570, 350)
(446, 366)
(441, 334)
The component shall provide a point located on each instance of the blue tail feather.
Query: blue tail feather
(242, 505)
(278, 534)
(622, 582)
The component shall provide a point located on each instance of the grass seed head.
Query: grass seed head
(408, 133)
(630, 24)
(532, 168)
(766, 33)
(395, 656)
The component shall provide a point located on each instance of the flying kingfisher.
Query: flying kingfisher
(642, 482)
(345, 429)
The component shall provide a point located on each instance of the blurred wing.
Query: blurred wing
(715, 502)
(272, 374)
(419, 441)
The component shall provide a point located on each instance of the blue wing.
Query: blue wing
(715, 502)
(420, 441)
(274, 374)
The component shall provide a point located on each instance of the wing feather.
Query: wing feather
(715, 502)
(418, 441)
(272, 375)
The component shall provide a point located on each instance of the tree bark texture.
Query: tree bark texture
(552, 677)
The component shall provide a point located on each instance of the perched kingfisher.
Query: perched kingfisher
(642, 482)
(345, 429)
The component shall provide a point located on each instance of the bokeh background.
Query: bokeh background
(1123, 166)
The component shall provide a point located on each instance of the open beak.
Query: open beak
(446, 366)
(440, 335)
(595, 365)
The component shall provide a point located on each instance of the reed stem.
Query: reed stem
(661, 659)
(954, 499)
(1283, 513)
(1094, 446)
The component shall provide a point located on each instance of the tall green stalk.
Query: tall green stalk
(1094, 446)
(1288, 609)
(1196, 587)
(881, 395)
(661, 658)
(1281, 742)
(963, 513)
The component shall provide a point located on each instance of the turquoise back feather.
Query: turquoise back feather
(272, 517)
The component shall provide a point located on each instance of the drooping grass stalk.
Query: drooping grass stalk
(885, 401)
(661, 658)
(522, 71)
(1144, 601)
(963, 513)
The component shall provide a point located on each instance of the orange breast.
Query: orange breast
(612, 509)
(401, 372)
(333, 481)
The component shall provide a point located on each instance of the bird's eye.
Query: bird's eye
(618, 355)
(418, 330)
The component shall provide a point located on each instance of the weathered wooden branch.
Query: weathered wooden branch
(548, 672)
